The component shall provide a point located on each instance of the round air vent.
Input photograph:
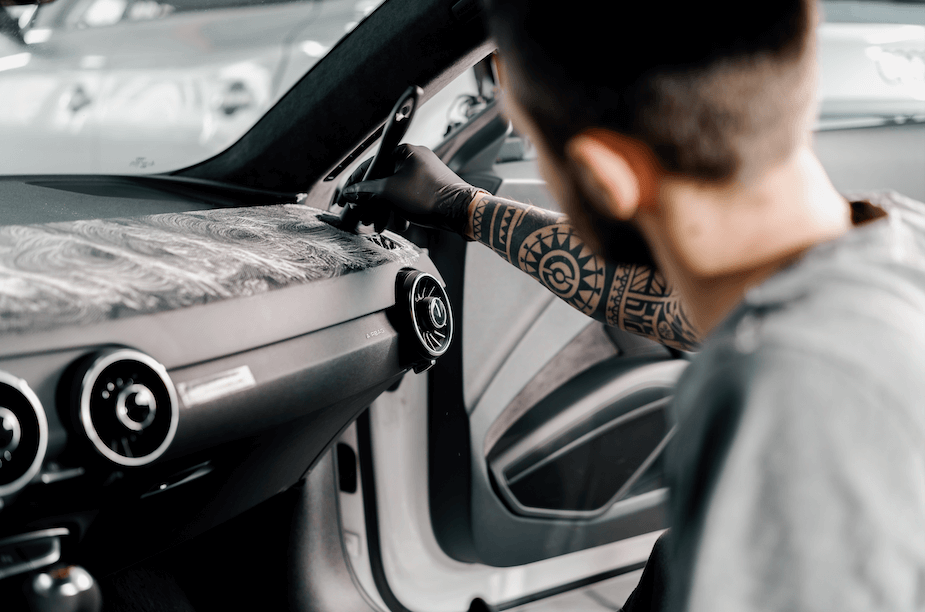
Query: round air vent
(23, 434)
(127, 407)
(429, 308)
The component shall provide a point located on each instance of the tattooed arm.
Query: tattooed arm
(543, 244)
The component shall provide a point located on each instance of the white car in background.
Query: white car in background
(142, 86)
(150, 86)
(872, 56)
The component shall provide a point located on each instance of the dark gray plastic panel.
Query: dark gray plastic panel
(292, 378)
(545, 469)
(286, 554)
(501, 537)
(257, 440)
(322, 578)
(246, 473)
(201, 333)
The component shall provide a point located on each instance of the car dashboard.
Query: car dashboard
(166, 370)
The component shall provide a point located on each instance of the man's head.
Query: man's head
(622, 97)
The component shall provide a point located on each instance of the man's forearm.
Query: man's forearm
(543, 244)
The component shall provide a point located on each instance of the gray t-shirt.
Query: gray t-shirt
(798, 468)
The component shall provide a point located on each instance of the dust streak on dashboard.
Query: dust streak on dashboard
(82, 272)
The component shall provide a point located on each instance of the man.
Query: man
(798, 468)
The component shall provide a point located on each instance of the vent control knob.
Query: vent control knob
(432, 313)
(136, 407)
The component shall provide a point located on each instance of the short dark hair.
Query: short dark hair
(713, 88)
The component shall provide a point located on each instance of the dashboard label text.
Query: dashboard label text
(215, 386)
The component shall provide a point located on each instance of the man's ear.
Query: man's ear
(620, 170)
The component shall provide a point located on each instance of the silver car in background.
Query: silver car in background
(151, 86)
(142, 86)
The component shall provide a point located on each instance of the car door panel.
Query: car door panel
(525, 364)
(512, 329)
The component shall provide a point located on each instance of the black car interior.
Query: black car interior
(213, 503)
(106, 462)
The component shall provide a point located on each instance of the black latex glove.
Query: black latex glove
(371, 211)
(422, 190)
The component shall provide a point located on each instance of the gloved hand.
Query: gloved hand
(422, 190)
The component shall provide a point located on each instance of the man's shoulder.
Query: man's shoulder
(842, 331)
(824, 454)
(855, 298)
(849, 315)
(863, 337)
(812, 386)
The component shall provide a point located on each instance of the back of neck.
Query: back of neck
(714, 242)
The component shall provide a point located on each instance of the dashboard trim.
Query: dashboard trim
(176, 336)
(52, 556)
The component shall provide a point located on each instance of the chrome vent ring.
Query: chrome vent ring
(127, 407)
(429, 307)
(23, 434)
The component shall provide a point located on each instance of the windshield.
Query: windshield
(152, 86)
(149, 86)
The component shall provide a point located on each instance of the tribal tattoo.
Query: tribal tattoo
(542, 243)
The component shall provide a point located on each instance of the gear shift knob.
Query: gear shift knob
(65, 589)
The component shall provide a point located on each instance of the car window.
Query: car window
(464, 98)
(872, 59)
(150, 86)
(448, 108)
(872, 72)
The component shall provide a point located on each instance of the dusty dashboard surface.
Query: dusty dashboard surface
(83, 272)
(173, 370)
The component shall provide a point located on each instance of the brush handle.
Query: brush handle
(381, 167)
